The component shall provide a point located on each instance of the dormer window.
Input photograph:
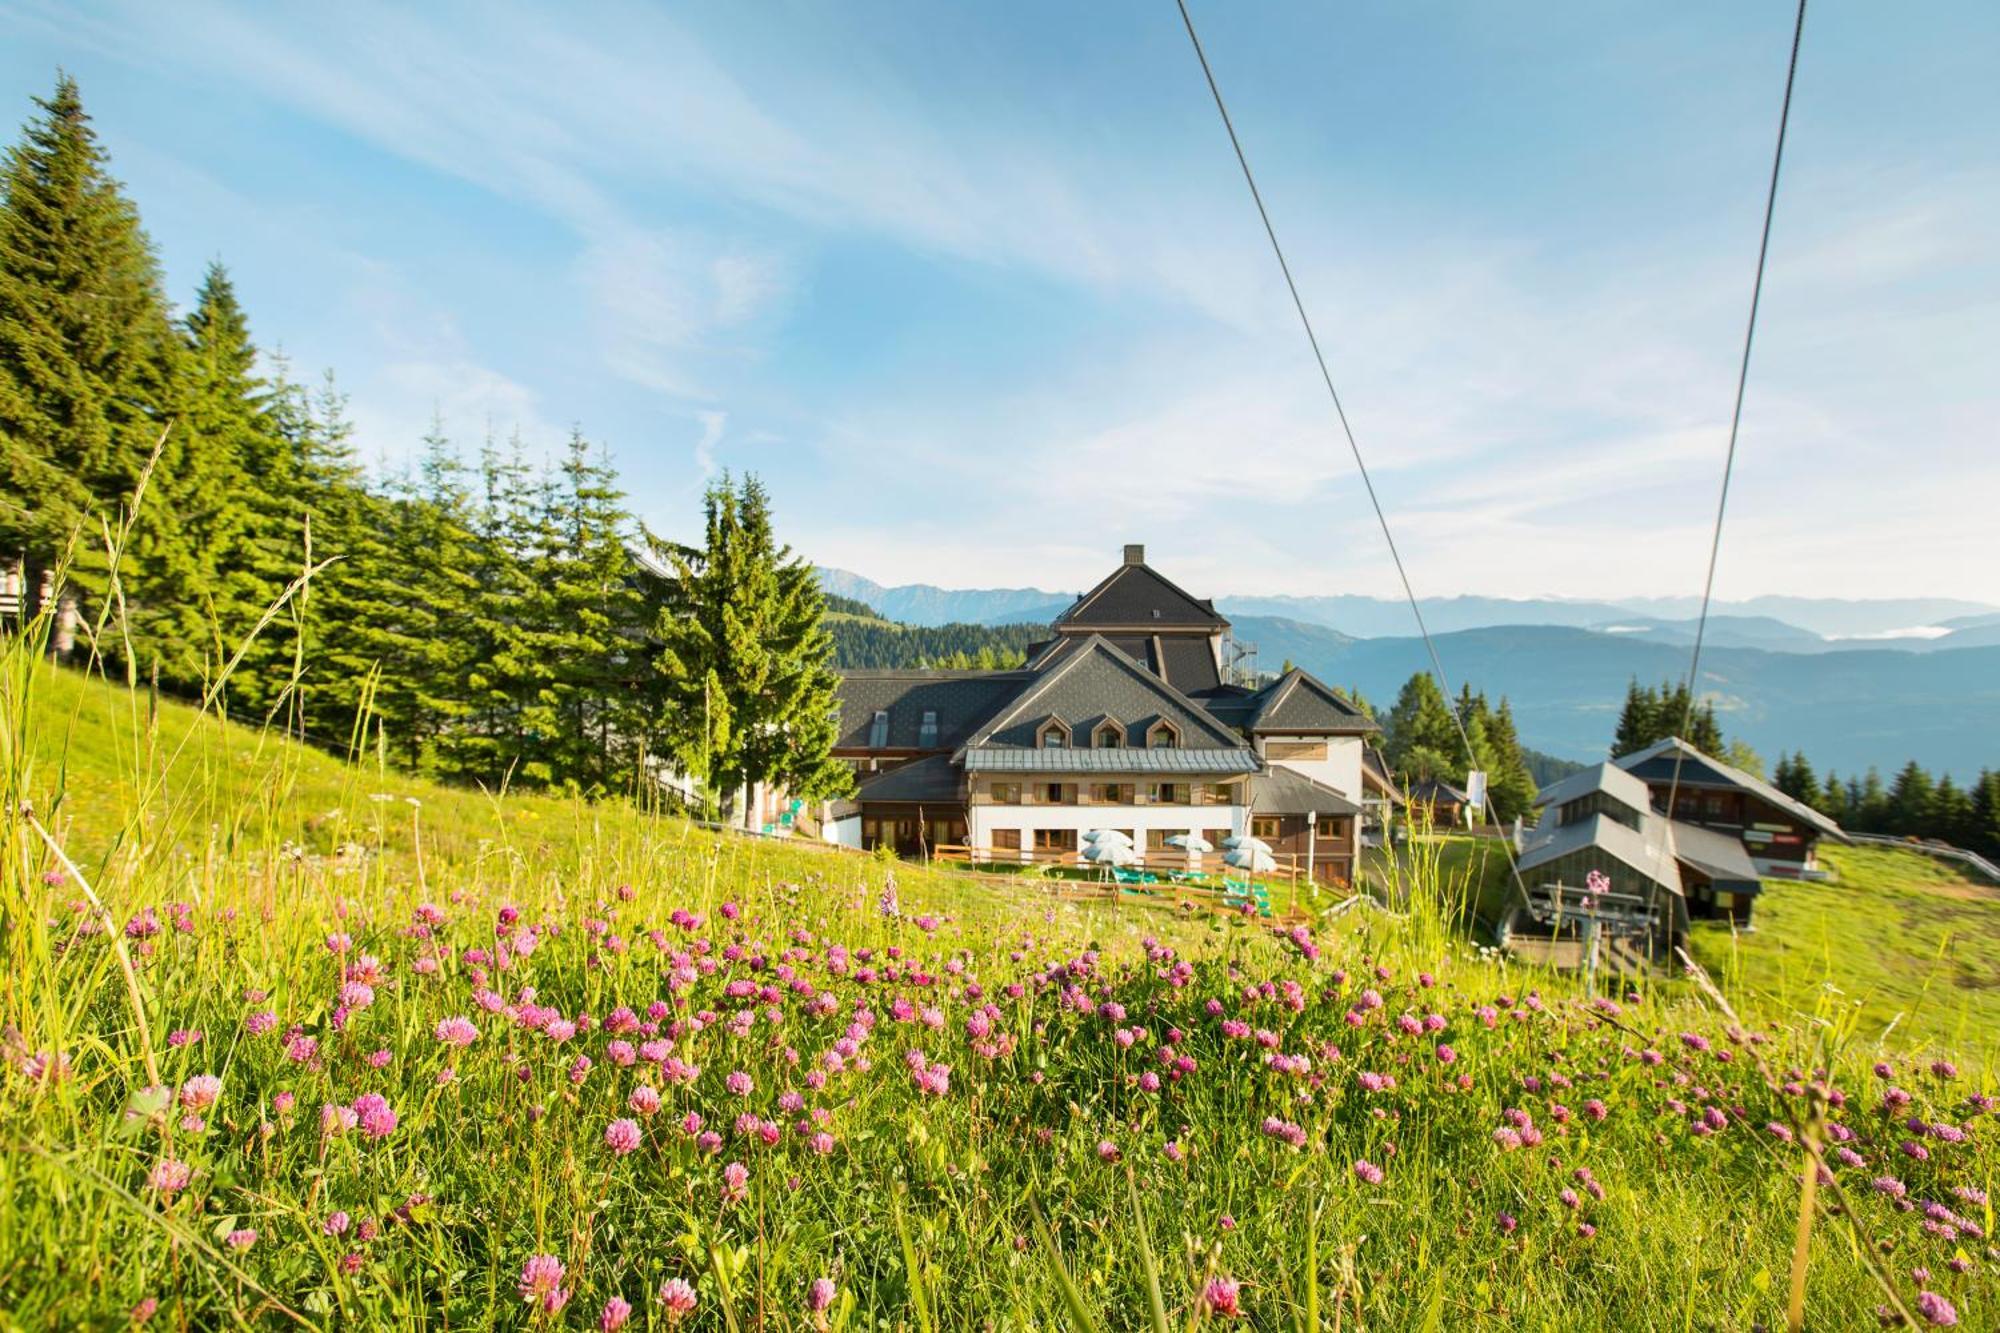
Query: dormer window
(1110, 735)
(927, 730)
(1163, 735)
(1054, 735)
(878, 730)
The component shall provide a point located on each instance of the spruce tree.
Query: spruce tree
(1512, 785)
(745, 689)
(1832, 799)
(1912, 802)
(1420, 740)
(1635, 721)
(1985, 837)
(86, 354)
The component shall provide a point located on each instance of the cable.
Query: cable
(1736, 416)
(1340, 412)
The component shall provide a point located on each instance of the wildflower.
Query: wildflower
(1107, 1151)
(170, 1175)
(622, 1136)
(145, 1309)
(374, 1114)
(678, 1298)
(1507, 1223)
(738, 1083)
(336, 1224)
(616, 1311)
(735, 1182)
(541, 1284)
(819, 1296)
(1367, 1172)
(242, 1239)
(1222, 1297)
(456, 1031)
(645, 1099)
(200, 1092)
(1936, 1309)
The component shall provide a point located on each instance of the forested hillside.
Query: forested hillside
(502, 619)
(863, 640)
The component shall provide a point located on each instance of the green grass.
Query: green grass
(1898, 945)
(989, 1202)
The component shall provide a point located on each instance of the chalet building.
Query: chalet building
(1661, 872)
(1780, 834)
(1123, 719)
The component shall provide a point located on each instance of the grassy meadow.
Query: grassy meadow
(389, 1055)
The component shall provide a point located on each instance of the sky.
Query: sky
(980, 295)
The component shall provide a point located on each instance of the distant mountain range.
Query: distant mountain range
(1851, 683)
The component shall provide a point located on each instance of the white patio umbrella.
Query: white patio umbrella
(1191, 842)
(1109, 853)
(1099, 837)
(1240, 841)
(1256, 859)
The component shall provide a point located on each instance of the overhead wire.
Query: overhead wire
(1361, 465)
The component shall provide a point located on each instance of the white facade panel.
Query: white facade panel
(1340, 770)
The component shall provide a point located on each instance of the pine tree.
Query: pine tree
(1832, 799)
(1420, 740)
(1512, 786)
(1985, 837)
(239, 515)
(745, 690)
(1912, 802)
(86, 354)
(1954, 816)
(1636, 726)
(1739, 754)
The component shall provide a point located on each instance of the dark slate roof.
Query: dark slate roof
(1299, 702)
(961, 699)
(1090, 684)
(1286, 791)
(1432, 789)
(1717, 855)
(931, 780)
(1182, 660)
(1136, 595)
(1656, 762)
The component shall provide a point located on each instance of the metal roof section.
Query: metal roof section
(1092, 683)
(1166, 763)
(1648, 853)
(1136, 596)
(1285, 791)
(1608, 778)
(932, 780)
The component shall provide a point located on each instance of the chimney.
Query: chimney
(1135, 554)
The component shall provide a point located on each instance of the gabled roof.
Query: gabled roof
(1184, 661)
(1137, 596)
(1299, 702)
(1433, 789)
(1014, 759)
(1656, 763)
(1094, 682)
(1608, 778)
(1644, 849)
(1286, 791)
(961, 699)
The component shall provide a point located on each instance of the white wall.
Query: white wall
(1136, 819)
(1340, 770)
(842, 832)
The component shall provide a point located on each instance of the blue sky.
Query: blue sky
(979, 293)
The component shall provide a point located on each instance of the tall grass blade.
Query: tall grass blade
(1156, 1306)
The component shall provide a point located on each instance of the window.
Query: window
(1265, 827)
(1332, 826)
(1053, 794)
(1054, 735)
(878, 730)
(1156, 839)
(1110, 735)
(1214, 836)
(1111, 793)
(1171, 793)
(1055, 839)
(1006, 840)
(1163, 735)
(1006, 793)
(927, 729)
